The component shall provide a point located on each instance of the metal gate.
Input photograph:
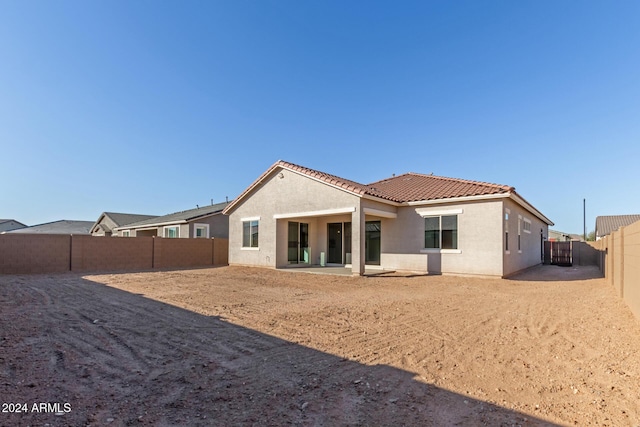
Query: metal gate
(558, 253)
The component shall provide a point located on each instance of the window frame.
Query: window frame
(426, 215)
(253, 221)
(169, 227)
(507, 213)
(126, 233)
(196, 227)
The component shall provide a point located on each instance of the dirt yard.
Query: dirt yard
(241, 346)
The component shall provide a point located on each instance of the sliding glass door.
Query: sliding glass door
(298, 246)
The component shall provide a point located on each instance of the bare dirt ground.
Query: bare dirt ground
(243, 346)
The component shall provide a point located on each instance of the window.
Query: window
(171, 232)
(519, 236)
(506, 230)
(441, 232)
(126, 233)
(201, 231)
(250, 233)
(526, 226)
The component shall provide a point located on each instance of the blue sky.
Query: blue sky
(158, 106)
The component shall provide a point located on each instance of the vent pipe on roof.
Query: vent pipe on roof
(226, 199)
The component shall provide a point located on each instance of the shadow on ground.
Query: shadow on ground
(122, 359)
(556, 273)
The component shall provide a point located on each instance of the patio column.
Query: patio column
(357, 241)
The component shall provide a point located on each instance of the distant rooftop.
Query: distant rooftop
(63, 226)
(179, 217)
(606, 225)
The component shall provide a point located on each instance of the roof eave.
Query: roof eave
(458, 199)
(280, 164)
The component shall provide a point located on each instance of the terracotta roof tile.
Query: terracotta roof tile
(409, 187)
(412, 187)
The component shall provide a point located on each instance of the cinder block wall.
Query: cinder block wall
(631, 263)
(220, 251)
(92, 253)
(29, 254)
(182, 253)
(620, 263)
(39, 253)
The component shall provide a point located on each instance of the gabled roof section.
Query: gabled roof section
(409, 188)
(405, 188)
(606, 225)
(119, 219)
(413, 187)
(178, 217)
(125, 218)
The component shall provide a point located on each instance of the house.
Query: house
(296, 216)
(109, 220)
(63, 226)
(560, 236)
(606, 225)
(10, 224)
(202, 222)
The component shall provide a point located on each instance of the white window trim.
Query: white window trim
(440, 214)
(528, 221)
(507, 214)
(424, 212)
(519, 234)
(164, 230)
(440, 251)
(128, 233)
(249, 220)
(195, 228)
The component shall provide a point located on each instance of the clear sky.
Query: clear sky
(153, 107)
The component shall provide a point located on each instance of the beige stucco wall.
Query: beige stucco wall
(479, 241)
(480, 229)
(530, 252)
(293, 193)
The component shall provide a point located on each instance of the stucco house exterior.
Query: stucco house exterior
(108, 221)
(202, 222)
(296, 216)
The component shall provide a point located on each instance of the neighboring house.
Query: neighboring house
(560, 236)
(107, 221)
(606, 225)
(58, 227)
(292, 215)
(204, 222)
(10, 224)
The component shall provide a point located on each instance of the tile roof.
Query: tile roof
(413, 187)
(608, 224)
(406, 188)
(409, 187)
(179, 217)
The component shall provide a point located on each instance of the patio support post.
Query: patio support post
(357, 241)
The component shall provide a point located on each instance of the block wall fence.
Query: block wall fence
(37, 254)
(619, 261)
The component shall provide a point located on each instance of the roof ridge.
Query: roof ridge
(469, 181)
(446, 178)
